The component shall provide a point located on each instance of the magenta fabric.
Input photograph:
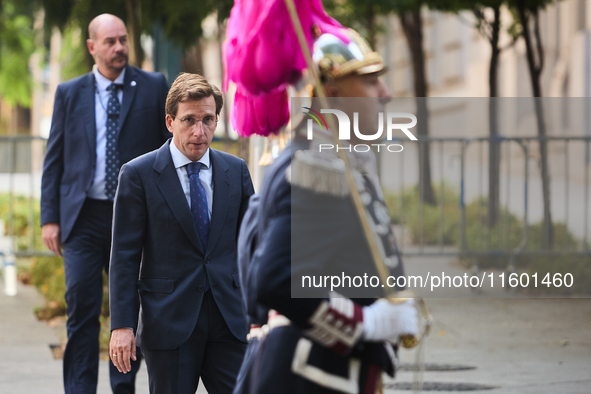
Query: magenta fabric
(262, 56)
(262, 115)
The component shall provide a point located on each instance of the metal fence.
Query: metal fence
(461, 166)
(21, 159)
(456, 227)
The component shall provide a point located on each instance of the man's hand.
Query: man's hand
(51, 237)
(122, 348)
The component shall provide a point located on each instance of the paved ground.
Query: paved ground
(26, 361)
(516, 345)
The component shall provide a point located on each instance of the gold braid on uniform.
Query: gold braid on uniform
(318, 173)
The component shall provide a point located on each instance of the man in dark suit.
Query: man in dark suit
(100, 121)
(175, 229)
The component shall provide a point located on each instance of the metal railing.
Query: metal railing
(21, 159)
(516, 172)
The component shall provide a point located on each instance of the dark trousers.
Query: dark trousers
(86, 255)
(246, 381)
(212, 352)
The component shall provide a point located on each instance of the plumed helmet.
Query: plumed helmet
(336, 59)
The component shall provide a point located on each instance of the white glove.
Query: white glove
(385, 321)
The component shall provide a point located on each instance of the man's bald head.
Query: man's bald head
(108, 44)
(94, 25)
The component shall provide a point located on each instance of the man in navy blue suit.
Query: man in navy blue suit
(100, 121)
(175, 228)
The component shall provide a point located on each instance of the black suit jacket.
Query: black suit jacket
(70, 161)
(155, 240)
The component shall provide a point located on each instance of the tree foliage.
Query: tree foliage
(364, 14)
(61, 13)
(180, 19)
(528, 12)
(357, 14)
(487, 21)
(16, 47)
(74, 55)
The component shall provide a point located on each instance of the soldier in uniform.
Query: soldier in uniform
(303, 222)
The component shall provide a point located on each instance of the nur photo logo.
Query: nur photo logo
(394, 123)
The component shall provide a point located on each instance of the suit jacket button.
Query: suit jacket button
(200, 288)
(206, 261)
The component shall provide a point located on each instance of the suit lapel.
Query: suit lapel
(88, 97)
(171, 189)
(129, 89)
(221, 197)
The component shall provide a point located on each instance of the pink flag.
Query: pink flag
(262, 57)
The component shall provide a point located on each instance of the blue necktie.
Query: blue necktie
(199, 208)
(111, 154)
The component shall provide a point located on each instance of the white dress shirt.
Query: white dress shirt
(101, 101)
(181, 161)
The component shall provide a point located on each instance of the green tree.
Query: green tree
(528, 12)
(16, 48)
(74, 55)
(489, 26)
(490, 29)
(411, 21)
(409, 12)
(357, 14)
(363, 15)
(69, 14)
(180, 19)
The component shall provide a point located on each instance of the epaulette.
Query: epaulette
(319, 173)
